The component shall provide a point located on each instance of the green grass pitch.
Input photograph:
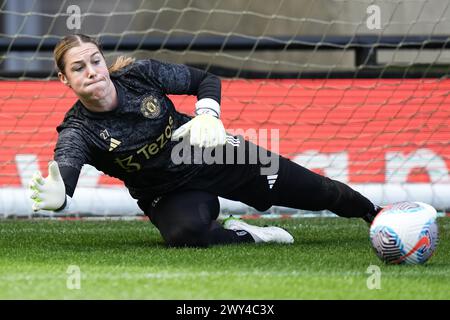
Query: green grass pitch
(127, 260)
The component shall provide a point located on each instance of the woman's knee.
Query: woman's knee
(187, 235)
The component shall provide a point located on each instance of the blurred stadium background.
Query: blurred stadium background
(358, 89)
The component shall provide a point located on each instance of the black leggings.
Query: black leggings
(188, 216)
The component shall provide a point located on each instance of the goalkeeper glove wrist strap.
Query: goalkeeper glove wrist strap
(207, 106)
(66, 205)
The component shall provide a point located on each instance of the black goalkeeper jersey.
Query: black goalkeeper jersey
(133, 141)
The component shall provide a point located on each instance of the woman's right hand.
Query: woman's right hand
(48, 193)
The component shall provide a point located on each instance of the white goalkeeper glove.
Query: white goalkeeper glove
(205, 129)
(48, 193)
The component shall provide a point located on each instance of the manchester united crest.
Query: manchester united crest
(150, 107)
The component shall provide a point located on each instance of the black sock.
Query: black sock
(370, 216)
(223, 236)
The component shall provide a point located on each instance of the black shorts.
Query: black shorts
(270, 180)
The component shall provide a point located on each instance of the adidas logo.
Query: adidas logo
(114, 144)
(271, 180)
(233, 141)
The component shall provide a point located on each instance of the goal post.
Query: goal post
(355, 90)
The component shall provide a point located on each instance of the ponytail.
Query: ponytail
(120, 63)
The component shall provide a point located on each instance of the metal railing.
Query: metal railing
(365, 47)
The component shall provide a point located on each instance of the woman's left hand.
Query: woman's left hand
(205, 130)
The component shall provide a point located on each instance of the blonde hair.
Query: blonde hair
(75, 40)
(121, 62)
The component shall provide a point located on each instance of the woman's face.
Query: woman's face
(86, 72)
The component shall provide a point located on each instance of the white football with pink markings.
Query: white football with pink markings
(405, 233)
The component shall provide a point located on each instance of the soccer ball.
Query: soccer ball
(405, 233)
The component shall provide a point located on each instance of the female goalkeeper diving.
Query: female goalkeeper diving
(124, 124)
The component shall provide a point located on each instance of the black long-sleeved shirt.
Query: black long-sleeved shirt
(133, 141)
